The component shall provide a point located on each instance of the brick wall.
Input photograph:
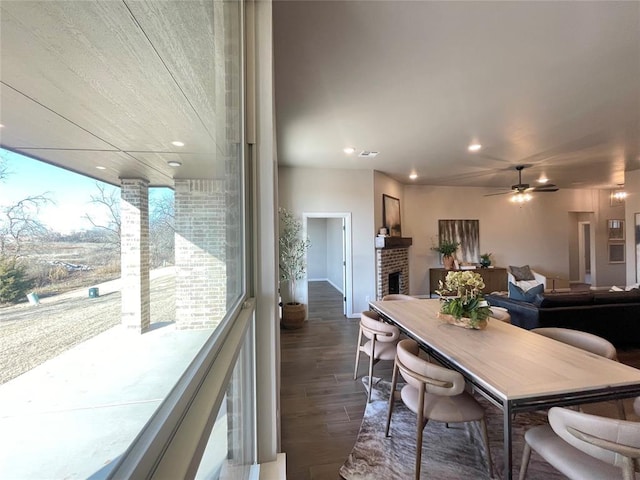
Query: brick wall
(201, 277)
(391, 260)
(134, 248)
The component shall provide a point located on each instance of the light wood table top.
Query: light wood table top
(511, 362)
(516, 369)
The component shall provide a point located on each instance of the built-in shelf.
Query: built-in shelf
(393, 242)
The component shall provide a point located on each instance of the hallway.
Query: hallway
(321, 404)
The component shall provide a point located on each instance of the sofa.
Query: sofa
(612, 315)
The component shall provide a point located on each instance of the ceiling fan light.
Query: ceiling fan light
(474, 147)
(520, 197)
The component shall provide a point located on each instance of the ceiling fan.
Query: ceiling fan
(521, 190)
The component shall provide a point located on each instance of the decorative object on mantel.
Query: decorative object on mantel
(447, 248)
(485, 260)
(292, 266)
(391, 215)
(462, 301)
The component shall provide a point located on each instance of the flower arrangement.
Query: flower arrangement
(461, 296)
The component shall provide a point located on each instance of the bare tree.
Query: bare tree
(161, 230)
(161, 226)
(108, 201)
(20, 225)
(4, 169)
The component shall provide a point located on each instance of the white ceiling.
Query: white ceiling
(555, 85)
(112, 83)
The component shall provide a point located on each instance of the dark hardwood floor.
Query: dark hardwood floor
(321, 404)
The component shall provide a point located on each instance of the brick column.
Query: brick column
(201, 276)
(134, 240)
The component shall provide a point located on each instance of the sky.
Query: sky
(70, 191)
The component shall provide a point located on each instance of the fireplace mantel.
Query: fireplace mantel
(393, 242)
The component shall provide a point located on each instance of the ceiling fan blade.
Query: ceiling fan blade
(498, 193)
(546, 188)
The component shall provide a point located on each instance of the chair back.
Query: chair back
(416, 371)
(398, 296)
(583, 340)
(371, 325)
(607, 439)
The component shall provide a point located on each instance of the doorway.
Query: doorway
(584, 251)
(329, 257)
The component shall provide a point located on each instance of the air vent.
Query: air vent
(367, 154)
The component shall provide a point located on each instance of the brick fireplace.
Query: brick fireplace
(392, 266)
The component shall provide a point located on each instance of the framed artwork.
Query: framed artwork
(637, 238)
(465, 232)
(616, 253)
(391, 215)
(615, 229)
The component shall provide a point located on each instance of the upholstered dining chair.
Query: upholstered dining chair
(585, 341)
(381, 345)
(433, 393)
(398, 296)
(584, 446)
(501, 314)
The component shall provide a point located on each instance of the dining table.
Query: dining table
(515, 369)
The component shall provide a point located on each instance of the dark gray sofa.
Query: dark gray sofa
(612, 315)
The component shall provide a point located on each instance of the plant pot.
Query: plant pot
(448, 262)
(462, 322)
(293, 315)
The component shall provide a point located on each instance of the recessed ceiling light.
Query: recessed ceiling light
(1, 125)
(474, 147)
(543, 180)
(349, 150)
(177, 143)
(174, 163)
(413, 176)
(100, 167)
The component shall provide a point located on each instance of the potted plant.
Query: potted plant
(485, 260)
(462, 300)
(447, 248)
(292, 266)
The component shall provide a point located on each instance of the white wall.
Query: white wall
(608, 273)
(334, 253)
(322, 190)
(317, 253)
(537, 233)
(540, 233)
(632, 206)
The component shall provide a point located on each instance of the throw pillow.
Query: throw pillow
(521, 273)
(527, 284)
(516, 293)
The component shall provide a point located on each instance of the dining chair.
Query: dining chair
(433, 393)
(500, 313)
(583, 446)
(398, 296)
(381, 345)
(585, 341)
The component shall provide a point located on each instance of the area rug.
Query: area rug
(448, 453)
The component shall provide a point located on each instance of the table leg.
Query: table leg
(508, 461)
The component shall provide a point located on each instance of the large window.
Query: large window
(178, 397)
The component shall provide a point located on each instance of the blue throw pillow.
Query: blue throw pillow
(516, 293)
